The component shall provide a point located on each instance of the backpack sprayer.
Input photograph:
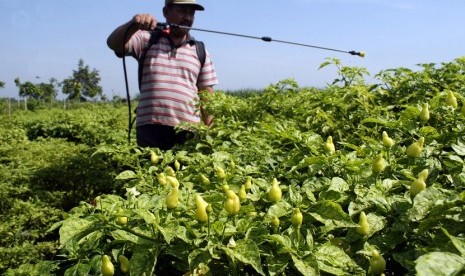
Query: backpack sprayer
(167, 26)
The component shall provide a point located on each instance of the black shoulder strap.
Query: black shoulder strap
(201, 53)
(154, 37)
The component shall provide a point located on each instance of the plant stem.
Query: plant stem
(208, 226)
(388, 150)
(224, 228)
(298, 236)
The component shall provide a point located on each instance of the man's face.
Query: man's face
(180, 15)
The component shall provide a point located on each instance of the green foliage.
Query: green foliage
(347, 75)
(88, 125)
(41, 91)
(277, 133)
(41, 176)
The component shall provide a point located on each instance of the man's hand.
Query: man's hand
(138, 22)
(145, 21)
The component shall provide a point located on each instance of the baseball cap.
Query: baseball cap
(184, 2)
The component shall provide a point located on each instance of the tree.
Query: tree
(27, 90)
(2, 85)
(83, 85)
(49, 90)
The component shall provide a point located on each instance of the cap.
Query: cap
(184, 2)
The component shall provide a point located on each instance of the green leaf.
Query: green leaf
(144, 259)
(374, 121)
(197, 257)
(122, 235)
(334, 260)
(169, 231)
(423, 203)
(182, 234)
(73, 227)
(125, 175)
(146, 215)
(308, 266)
(309, 161)
(91, 240)
(55, 226)
(217, 227)
(439, 264)
(335, 190)
(338, 184)
(147, 202)
(247, 252)
(376, 222)
(255, 233)
(458, 243)
(309, 239)
(331, 195)
(279, 209)
(284, 242)
(78, 269)
(277, 264)
(429, 132)
(459, 148)
(294, 196)
(324, 64)
(332, 215)
(453, 163)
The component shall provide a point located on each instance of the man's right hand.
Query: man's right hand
(141, 21)
(145, 21)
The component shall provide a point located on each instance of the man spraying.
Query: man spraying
(171, 73)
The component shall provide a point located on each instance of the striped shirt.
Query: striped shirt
(170, 81)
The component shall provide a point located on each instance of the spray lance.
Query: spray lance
(167, 26)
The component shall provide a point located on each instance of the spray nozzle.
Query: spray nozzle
(166, 26)
(355, 53)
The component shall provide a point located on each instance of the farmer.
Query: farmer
(172, 74)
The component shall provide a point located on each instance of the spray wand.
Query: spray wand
(166, 26)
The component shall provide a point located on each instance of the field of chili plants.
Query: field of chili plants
(355, 178)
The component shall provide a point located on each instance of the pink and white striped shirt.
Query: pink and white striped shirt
(170, 81)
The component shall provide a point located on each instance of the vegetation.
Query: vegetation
(83, 85)
(352, 179)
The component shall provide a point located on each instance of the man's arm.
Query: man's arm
(138, 22)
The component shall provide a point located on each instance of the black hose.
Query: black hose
(128, 95)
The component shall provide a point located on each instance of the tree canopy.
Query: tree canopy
(41, 91)
(83, 84)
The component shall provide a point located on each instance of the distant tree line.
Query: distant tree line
(83, 85)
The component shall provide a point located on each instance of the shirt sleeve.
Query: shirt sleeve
(137, 43)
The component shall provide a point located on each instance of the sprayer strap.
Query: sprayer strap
(155, 37)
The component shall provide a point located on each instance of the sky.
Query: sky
(42, 39)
